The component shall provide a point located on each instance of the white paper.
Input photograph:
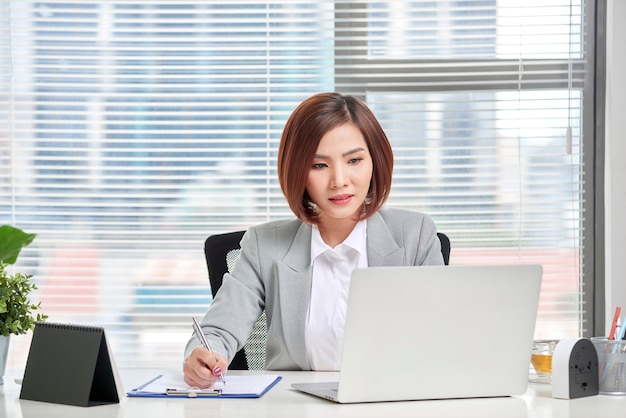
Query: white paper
(235, 385)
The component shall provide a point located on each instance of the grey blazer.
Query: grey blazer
(274, 273)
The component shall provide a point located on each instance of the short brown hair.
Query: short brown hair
(306, 126)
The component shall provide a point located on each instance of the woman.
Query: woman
(334, 167)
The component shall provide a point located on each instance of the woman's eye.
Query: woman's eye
(355, 160)
(319, 165)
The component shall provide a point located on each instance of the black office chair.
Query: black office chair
(445, 247)
(221, 252)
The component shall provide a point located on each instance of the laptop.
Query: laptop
(436, 332)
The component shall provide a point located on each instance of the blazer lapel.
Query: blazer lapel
(294, 282)
(382, 249)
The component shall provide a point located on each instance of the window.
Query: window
(133, 130)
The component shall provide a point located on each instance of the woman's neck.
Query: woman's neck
(334, 232)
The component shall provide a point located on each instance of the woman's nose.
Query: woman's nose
(338, 178)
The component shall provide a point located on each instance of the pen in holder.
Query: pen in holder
(612, 365)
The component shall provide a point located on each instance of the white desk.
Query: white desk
(282, 401)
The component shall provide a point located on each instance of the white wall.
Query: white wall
(615, 186)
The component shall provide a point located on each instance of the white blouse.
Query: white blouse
(326, 319)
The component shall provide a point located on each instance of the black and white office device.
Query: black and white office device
(574, 369)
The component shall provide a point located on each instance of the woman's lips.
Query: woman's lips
(341, 199)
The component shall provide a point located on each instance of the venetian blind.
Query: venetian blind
(132, 130)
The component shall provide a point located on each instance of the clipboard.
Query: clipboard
(71, 365)
(237, 386)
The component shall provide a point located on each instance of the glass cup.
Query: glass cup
(611, 365)
(541, 360)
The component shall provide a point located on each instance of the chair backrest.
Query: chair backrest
(445, 247)
(221, 252)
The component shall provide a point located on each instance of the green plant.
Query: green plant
(16, 310)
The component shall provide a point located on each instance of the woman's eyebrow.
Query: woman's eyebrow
(352, 151)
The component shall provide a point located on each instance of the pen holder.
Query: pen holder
(612, 365)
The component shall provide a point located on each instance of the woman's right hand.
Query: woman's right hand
(202, 368)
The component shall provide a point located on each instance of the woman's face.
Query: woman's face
(340, 175)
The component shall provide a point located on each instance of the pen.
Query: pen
(614, 324)
(205, 343)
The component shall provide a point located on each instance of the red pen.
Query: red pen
(618, 310)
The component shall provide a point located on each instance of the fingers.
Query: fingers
(202, 368)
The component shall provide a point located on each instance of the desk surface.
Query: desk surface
(282, 401)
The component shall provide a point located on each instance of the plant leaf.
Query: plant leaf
(12, 240)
